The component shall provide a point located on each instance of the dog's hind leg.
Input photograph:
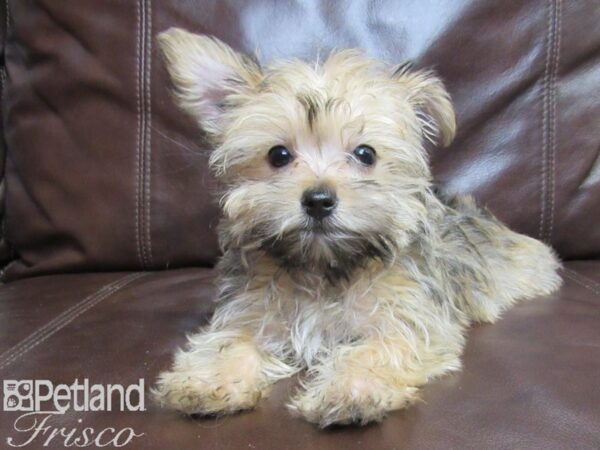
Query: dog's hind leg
(495, 266)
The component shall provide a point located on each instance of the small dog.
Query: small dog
(339, 256)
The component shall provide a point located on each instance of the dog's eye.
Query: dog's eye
(365, 154)
(280, 156)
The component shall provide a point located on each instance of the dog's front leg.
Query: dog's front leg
(220, 372)
(361, 383)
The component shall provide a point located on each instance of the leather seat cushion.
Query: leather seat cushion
(529, 381)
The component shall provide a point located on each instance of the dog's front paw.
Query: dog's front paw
(350, 399)
(221, 394)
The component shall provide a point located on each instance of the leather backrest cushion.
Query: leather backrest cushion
(104, 171)
(5, 250)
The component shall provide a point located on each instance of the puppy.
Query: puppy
(339, 257)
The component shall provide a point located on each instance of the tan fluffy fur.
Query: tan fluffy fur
(378, 304)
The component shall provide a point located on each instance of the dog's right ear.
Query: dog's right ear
(205, 71)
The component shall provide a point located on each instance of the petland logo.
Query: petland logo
(40, 401)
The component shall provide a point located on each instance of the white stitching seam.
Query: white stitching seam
(143, 133)
(548, 169)
(148, 130)
(582, 280)
(138, 137)
(552, 175)
(65, 318)
(546, 79)
(144, 142)
(141, 181)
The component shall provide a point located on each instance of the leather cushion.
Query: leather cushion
(529, 381)
(104, 172)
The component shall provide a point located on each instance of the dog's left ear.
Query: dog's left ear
(431, 100)
(205, 73)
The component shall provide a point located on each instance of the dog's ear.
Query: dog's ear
(431, 100)
(205, 71)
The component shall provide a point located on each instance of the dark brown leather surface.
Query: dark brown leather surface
(94, 178)
(5, 250)
(529, 382)
(104, 172)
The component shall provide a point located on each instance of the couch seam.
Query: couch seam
(138, 136)
(7, 24)
(144, 139)
(553, 124)
(65, 318)
(582, 280)
(548, 143)
(544, 142)
(142, 78)
(148, 130)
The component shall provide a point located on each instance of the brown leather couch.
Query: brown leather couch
(105, 185)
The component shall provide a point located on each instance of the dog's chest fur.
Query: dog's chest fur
(320, 317)
(303, 314)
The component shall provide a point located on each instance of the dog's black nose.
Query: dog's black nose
(319, 203)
